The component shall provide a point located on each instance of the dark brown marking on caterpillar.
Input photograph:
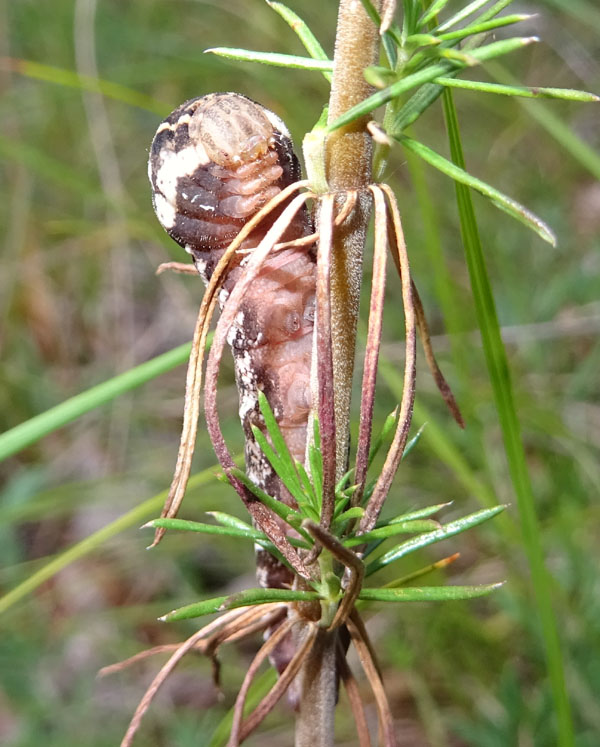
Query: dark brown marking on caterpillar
(214, 162)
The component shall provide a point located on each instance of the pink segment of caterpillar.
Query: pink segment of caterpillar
(215, 161)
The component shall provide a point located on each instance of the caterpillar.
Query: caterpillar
(214, 162)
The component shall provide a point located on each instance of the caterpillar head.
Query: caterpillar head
(214, 162)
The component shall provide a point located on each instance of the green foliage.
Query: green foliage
(60, 338)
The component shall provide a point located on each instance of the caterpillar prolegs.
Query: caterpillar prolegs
(214, 162)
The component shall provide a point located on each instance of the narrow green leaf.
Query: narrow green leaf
(465, 12)
(32, 430)
(422, 40)
(423, 540)
(427, 593)
(249, 597)
(436, 7)
(282, 466)
(306, 36)
(291, 517)
(413, 441)
(420, 513)
(273, 58)
(510, 206)
(493, 11)
(356, 512)
(184, 525)
(228, 520)
(568, 94)
(481, 28)
(398, 527)
(482, 54)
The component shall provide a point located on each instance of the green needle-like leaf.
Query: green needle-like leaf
(481, 28)
(306, 36)
(510, 206)
(399, 527)
(249, 597)
(423, 540)
(482, 54)
(427, 593)
(184, 525)
(527, 92)
(227, 520)
(420, 513)
(272, 58)
(431, 12)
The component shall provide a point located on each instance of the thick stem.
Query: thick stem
(318, 687)
(348, 162)
(348, 166)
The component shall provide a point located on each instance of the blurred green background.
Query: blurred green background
(80, 302)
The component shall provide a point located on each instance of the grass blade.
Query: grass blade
(497, 364)
(41, 425)
(89, 544)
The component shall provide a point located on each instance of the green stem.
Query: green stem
(497, 363)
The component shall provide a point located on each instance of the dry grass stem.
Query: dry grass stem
(324, 362)
(356, 704)
(373, 344)
(367, 659)
(396, 450)
(436, 372)
(270, 700)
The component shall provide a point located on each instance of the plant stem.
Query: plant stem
(348, 162)
(348, 155)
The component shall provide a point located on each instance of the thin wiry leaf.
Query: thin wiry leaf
(195, 526)
(246, 598)
(500, 200)
(481, 28)
(272, 58)
(465, 12)
(448, 530)
(398, 527)
(487, 52)
(427, 593)
(306, 36)
(431, 12)
(529, 92)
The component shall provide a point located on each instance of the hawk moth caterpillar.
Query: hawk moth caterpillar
(214, 162)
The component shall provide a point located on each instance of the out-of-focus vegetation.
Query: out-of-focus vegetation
(80, 303)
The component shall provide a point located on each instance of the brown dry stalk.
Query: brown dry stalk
(356, 704)
(438, 376)
(396, 450)
(373, 344)
(367, 659)
(324, 359)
